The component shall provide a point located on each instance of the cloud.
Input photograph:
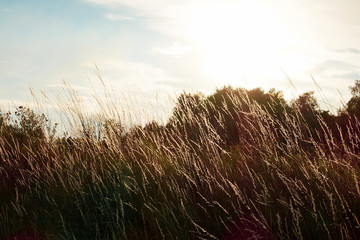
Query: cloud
(171, 18)
(118, 17)
(127, 75)
(332, 60)
(331, 64)
(5, 10)
(139, 4)
(139, 87)
(336, 73)
(176, 50)
(350, 75)
(347, 50)
(71, 87)
(155, 7)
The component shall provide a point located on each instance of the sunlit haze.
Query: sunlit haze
(164, 47)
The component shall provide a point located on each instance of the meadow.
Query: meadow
(237, 164)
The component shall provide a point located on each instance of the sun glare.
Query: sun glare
(242, 39)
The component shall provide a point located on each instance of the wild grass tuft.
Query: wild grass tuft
(239, 164)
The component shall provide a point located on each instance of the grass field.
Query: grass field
(239, 164)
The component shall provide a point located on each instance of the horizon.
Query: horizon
(166, 47)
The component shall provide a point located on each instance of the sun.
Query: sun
(242, 39)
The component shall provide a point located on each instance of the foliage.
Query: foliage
(238, 164)
(353, 106)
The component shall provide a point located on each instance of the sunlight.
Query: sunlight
(241, 39)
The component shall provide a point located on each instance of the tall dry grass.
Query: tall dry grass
(220, 169)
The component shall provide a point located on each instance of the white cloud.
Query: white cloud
(125, 75)
(72, 87)
(318, 27)
(118, 17)
(169, 17)
(144, 5)
(142, 90)
(176, 50)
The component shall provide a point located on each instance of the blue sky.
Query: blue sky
(165, 46)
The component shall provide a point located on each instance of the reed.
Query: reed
(225, 166)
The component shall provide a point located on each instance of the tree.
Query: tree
(188, 105)
(353, 106)
(306, 103)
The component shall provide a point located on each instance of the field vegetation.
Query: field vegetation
(237, 164)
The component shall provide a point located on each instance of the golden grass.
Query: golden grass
(226, 168)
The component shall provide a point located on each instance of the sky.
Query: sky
(166, 46)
